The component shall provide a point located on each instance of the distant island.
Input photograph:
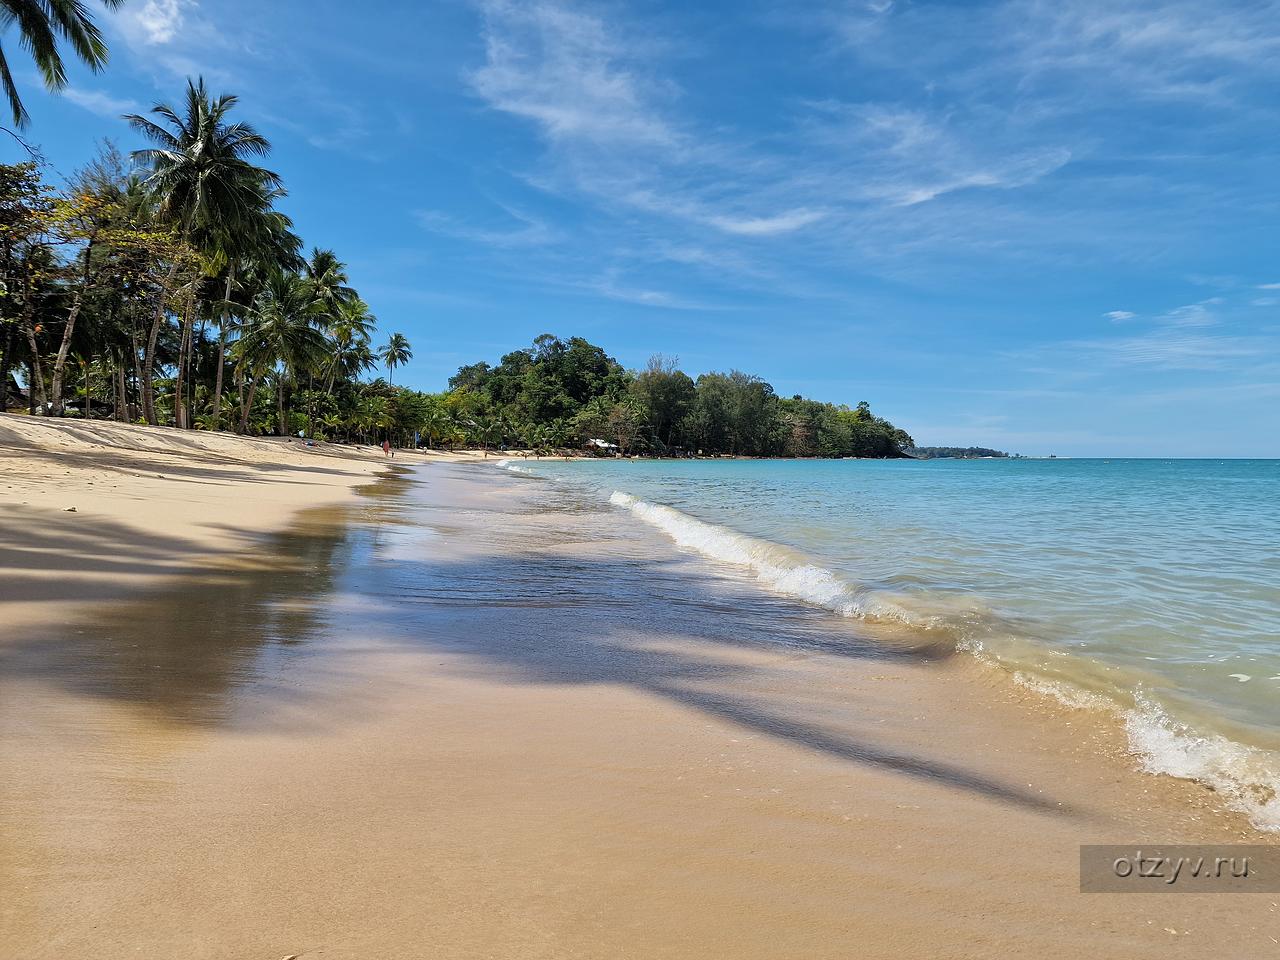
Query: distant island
(957, 453)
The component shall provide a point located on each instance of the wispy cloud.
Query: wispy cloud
(1203, 336)
(767, 226)
(524, 231)
(610, 286)
(1172, 349)
(105, 105)
(1060, 52)
(610, 116)
(561, 68)
(1192, 314)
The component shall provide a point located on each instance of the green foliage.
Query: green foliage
(41, 23)
(560, 394)
(179, 296)
(956, 453)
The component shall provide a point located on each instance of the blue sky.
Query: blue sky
(1049, 227)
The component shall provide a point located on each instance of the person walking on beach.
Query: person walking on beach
(386, 449)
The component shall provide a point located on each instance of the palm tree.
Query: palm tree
(434, 423)
(41, 23)
(270, 243)
(200, 167)
(280, 332)
(395, 353)
(327, 276)
(207, 187)
(351, 328)
(371, 413)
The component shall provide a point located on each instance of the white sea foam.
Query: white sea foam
(1244, 777)
(506, 464)
(779, 569)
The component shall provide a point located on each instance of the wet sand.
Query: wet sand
(469, 716)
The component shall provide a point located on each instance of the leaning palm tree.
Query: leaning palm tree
(396, 352)
(206, 185)
(41, 23)
(280, 334)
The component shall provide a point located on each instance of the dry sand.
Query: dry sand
(461, 717)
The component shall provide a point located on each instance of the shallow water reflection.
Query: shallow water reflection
(180, 653)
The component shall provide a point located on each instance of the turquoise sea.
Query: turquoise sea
(1150, 588)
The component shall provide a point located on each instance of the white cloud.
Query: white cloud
(155, 22)
(105, 105)
(767, 226)
(561, 68)
(1119, 316)
(1269, 286)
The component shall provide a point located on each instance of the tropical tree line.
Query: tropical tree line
(169, 288)
(569, 394)
(958, 453)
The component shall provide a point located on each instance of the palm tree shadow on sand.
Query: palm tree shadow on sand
(221, 649)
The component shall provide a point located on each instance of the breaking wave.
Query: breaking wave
(1244, 777)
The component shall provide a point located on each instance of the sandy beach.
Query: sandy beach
(93, 512)
(264, 700)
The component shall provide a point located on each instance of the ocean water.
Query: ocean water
(1148, 588)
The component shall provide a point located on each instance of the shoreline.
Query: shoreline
(386, 747)
(170, 501)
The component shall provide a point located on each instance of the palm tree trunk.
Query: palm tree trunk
(281, 427)
(73, 314)
(247, 406)
(239, 378)
(131, 409)
(39, 398)
(181, 413)
(121, 392)
(149, 358)
(180, 376)
(222, 353)
(6, 358)
(60, 360)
